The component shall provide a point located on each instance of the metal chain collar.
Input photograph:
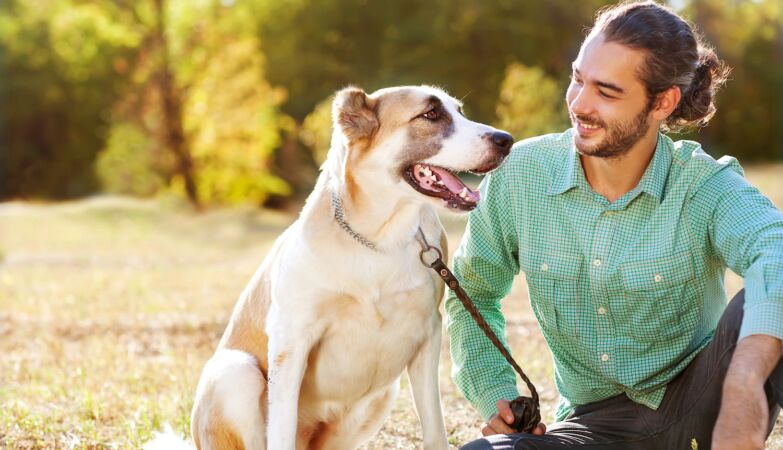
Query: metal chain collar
(339, 215)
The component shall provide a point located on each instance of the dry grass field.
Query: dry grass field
(109, 308)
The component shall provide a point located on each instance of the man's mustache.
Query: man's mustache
(587, 120)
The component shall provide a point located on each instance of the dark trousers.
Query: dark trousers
(689, 410)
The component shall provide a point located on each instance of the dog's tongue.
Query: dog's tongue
(454, 184)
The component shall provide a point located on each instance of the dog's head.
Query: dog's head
(411, 141)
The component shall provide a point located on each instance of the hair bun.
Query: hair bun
(697, 105)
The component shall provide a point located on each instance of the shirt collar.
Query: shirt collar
(653, 181)
(568, 174)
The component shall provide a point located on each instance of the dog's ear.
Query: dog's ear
(354, 114)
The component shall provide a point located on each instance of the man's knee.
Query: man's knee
(512, 442)
(494, 442)
(478, 444)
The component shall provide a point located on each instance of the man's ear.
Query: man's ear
(353, 113)
(666, 102)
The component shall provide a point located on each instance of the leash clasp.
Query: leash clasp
(426, 248)
(425, 251)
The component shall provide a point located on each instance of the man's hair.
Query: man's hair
(675, 56)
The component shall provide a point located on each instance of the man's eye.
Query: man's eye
(431, 114)
(605, 95)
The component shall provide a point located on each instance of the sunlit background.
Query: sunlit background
(152, 150)
(227, 102)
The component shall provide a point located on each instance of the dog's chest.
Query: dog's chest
(370, 337)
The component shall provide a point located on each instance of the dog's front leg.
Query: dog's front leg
(291, 337)
(423, 375)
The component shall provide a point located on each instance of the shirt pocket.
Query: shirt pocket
(657, 293)
(553, 284)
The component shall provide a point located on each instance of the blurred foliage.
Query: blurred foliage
(316, 47)
(749, 36)
(112, 95)
(128, 164)
(531, 103)
(61, 72)
(316, 130)
(232, 120)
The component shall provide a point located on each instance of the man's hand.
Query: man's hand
(742, 422)
(499, 423)
(744, 415)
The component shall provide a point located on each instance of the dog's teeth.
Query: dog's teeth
(425, 171)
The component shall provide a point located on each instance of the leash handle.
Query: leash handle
(527, 411)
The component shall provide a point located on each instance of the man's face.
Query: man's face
(607, 101)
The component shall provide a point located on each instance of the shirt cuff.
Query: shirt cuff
(486, 405)
(763, 318)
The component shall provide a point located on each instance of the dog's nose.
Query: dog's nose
(502, 141)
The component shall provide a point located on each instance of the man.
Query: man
(624, 237)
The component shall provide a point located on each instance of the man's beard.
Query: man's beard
(620, 137)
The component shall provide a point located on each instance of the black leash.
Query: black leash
(527, 411)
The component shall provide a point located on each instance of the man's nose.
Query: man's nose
(580, 104)
(501, 140)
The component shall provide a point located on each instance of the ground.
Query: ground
(109, 307)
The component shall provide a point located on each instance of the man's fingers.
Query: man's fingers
(504, 410)
(497, 425)
(487, 431)
(500, 426)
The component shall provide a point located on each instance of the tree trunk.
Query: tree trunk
(173, 135)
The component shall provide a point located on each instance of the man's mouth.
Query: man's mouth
(586, 128)
(442, 183)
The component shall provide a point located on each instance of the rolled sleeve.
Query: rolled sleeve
(747, 231)
(763, 296)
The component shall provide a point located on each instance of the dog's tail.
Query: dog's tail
(168, 440)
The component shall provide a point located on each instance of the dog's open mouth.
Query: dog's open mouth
(442, 183)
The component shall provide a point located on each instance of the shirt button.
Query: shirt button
(604, 357)
(658, 278)
(544, 267)
(597, 262)
(601, 310)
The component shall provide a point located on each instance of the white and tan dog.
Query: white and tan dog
(341, 306)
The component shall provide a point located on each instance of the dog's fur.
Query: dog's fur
(314, 350)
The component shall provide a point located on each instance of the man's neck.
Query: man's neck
(614, 177)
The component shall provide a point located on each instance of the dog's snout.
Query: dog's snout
(501, 140)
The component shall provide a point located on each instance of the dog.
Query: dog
(342, 305)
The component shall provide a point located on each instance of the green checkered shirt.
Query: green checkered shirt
(626, 293)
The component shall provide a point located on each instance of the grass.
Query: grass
(109, 307)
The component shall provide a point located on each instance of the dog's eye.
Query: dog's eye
(431, 114)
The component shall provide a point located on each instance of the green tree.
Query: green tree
(201, 95)
(316, 130)
(128, 164)
(233, 123)
(531, 103)
(64, 64)
(749, 36)
(314, 48)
